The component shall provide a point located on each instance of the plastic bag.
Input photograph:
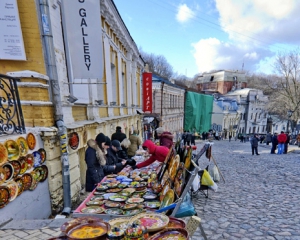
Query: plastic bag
(214, 173)
(206, 179)
(186, 208)
(196, 183)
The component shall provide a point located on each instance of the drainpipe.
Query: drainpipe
(161, 102)
(56, 99)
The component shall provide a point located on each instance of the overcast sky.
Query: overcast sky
(197, 36)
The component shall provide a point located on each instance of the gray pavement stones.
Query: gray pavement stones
(259, 199)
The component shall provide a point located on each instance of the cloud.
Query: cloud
(184, 13)
(213, 54)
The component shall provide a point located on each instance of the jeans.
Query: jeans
(280, 148)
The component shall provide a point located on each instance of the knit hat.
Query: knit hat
(107, 141)
(116, 144)
(159, 130)
(100, 138)
(118, 128)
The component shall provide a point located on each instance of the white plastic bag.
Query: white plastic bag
(196, 183)
(214, 173)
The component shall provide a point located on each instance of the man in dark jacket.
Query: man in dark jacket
(268, 138)
(113, 163)
(118, 135)
(286, 144)
(254, 144)
(274, 143)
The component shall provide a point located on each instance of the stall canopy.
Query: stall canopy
(198, 110)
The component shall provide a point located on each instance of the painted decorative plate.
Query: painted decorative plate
(99, 193)
(27, 180)
(93, 209)
(121, 185)
(121, 223)
(165, 178)
(101, 187)
(13, 190)
(23, 163)
(110, 204)
(152, 204)
(112, 175)
(112, 184)
(2, 175)
(176, 223)
(30, 161)
(37, 159)
(44, 174)
(12, 149)
(152, 221)
(170, 164)
(20, 183)
(171, 233)
(174, 167)
(4, 196)
(150, 196)
(129, 190)
(178, 186)
(97, 198)
(23, 146)
(114, 211)
(132, 212)
(67, 226)
(117, 198)
(135, 200)
(17, 168)
(43, 155)
(95, 203)
(3, 154)
(165, 190)
(114, 190)
(74, 140)
(31, 141)
(89, 231)
(130, 206)
(9, 171)
(35, 177)
(188, 158)
(168, 199)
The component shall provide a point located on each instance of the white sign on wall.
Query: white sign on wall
(11, 39)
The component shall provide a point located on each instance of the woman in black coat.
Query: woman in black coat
(95, 160)
(124, 145)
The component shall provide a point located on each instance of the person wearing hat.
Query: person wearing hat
(118, 135)
(95, 160)
(135, 142)
(114, 164)
(165, 138)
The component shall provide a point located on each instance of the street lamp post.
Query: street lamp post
(289, 114)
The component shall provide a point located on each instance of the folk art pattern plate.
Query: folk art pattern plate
(3, 154)
(165, 190)
(171, 233)
(168, 199)
(13, 190)
(174, 167)
(24, 166)
(9, 171)
(2, 175)
(17, 168)
(27, 180)
(12, 149)
(37, 158)
(152, 221)
(43, 155)
(23, 146)
(31, 141)
(20, 183)
(29, 161)
(4, 196)
(93, 209)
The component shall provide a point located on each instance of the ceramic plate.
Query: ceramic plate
(20, 183)
(23, 163)
(171, 233)
(117, 198)
(17, 168)
(112, 204)
(95, 203)
(12, 149)
(121, 185)
(170, 164)
(43, 155)
(187, 161)
(112, 184)
(135, 200)
(74, 140)
(178, 186)
(13, 190)
(152, 204)
(176, 223)
(111, 175)
(97, 198)
(23, 147)
(152, 221)
(121, 223)
(165, 190)
(165, 178)
(129, 206)
(35, 178)
(93, 209)
(2, 175)
(30, 161)
(174, 167)
(150, 196)
(101, 187)
(129, 190)
(3, 154)
(44, 173)
(67, 226)
(114, 211)
(89, 231)
(9, 171)
(168, 199)
(31, 141)
(114, 190)
(4, 196)
(37, 159)
(27, 180)
(132, 212)
(98, 193)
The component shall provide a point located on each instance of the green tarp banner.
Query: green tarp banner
(198, 111)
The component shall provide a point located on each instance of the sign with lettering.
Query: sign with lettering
(147, 92)
(11, 39)
(83, 35)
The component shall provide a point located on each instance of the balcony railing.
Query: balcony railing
(11, 116)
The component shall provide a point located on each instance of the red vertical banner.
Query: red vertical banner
(147, 92)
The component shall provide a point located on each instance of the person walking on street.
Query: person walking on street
(230, 137)
(298, 140)
(268, 138)
(281, 141)
(274, 143)
(286, 144)
(254, 144)
(188, 138)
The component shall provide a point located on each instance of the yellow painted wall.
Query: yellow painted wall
(103, 112)
(79, 113)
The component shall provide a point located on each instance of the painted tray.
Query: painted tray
(4, 196)
(121, 223)
(30, 161)
(2, 175)
(187, 159)
(110, 204)
(165, 178)
(12, 149)
(93, 209)
(168, 199)
(23, 163)
(13, 190)
(42, 173)
(171, 233)
(152, 204)
(17, 168)
(117, 198)
(152, 221)
(178, 186)
(43, 155)
(89, 231)
(31, 141)
(20, 183)
(27, 180)
(3, 154)
(135, 200)
(74, 140)
(114, 211)
(132, 212)
(165, 190)
(37, 159)
(9, 171)
(23, 146)
(174, 167)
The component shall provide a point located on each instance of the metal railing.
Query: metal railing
(11, 116)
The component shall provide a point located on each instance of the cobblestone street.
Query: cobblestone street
(258, 201)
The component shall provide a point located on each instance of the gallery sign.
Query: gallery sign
(11, 39)
(147, 92)
(83, 35)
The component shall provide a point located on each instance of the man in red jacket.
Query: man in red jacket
(281, 140)
(158, 153)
